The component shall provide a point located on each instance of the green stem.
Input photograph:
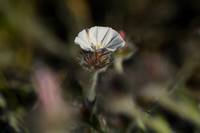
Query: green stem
(91, 94)
(118, 65)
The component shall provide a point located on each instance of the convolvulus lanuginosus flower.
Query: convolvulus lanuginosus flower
(98, 44)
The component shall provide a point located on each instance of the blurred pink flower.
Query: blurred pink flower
(49, 91)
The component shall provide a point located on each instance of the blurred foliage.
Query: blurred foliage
(158, 91)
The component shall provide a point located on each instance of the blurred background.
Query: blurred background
(155, 89)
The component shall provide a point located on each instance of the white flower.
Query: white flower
(98, 38)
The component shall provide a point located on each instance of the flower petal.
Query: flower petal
(98, 38)
(116, 46)
(93, 35)
(83, 40)
(83, 36)
(101, 33)
(84, 45)
(116, 42)
(110, 34)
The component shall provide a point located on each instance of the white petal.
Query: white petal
(106, 37)
(110, 34)
(82, 44)
(116, 46)
(101, 32)
(83, 35)
(116, 42)
(111, 49)
(93, 35)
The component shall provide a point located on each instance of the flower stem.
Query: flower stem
(91, 94)
(118, 65)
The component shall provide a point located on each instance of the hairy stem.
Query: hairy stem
(91, 94)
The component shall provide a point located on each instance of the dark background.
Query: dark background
(39, 34)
